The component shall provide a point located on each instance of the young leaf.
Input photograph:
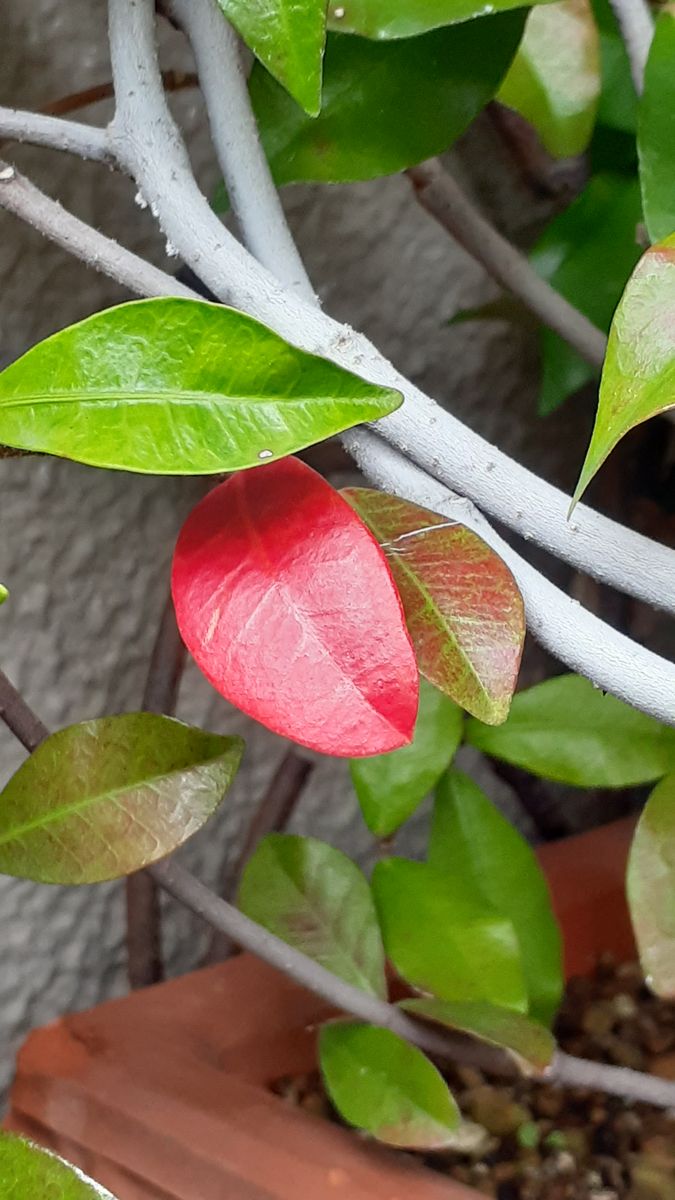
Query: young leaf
(656, 130)
(637, 378)
(288, 37)
(316, 899)
(462, 605)
(444, 940)
(3, 593)
(386, 105)
(107, 797)
(391, 786)
(651, 888)
(567, 730)
(285, 601)
(554, 80)
(382, 1084)
(531, 1044)
(27, 1172)
(586, 254)
(481, 851)
(177, 387)
(382, 20)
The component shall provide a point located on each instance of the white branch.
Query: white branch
(19, 196)
(636, 23)
(86, 141)
(148, 144)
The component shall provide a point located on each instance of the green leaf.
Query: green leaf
(386, 105)
(442, 939)
(391, 786)
(3, 593)
(618, 100)
(382, 1084)
(586, 254)
(107, 797)
(316, 899)
(27, 1172)
(474, 844)
(288, 37)
(466, 623)
(638, 378)
(383, 20)
(656, 130)
(568, 730)
(554, 80)
(531, 1044)
(177, 387)
(651, 888)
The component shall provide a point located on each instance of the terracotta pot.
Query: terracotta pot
(164, 1095)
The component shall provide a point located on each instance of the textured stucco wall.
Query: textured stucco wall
(85, 553)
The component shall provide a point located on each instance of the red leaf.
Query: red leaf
(286, 603)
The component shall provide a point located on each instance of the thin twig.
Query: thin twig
(564, 1069)
(150, 147)
(272, 814)
(173, 81)
(19, 717)
(40, 129)
(20, 197)
(143, 911)
(444, 199)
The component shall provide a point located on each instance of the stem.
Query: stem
(636, 23)
(442, 197)
(149, 146)
(18, 717)
(272, 814)
(564, 1069)
(144, 918)
(22, 198)
(173, 81)
(42, 130)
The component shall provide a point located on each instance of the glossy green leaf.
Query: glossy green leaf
(554, 80)
(586, 254)
(570, 731)
(316, 899)
(387, 1087)
(531, 1044)
(444, 940)
(383, 20)
(462, 605)
(386, 105)
(288, 37)
(107, 797)
(27, 1172)
(651, 888)
(656, 131)
(474, 844)
(177, 387)
(638, 378)
(391, 786)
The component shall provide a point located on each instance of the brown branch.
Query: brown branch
(174, 81)
(143, 913)
(19, 717)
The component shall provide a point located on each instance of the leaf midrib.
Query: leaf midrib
(188, 396)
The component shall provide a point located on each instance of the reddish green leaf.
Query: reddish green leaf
(530, 1043)
(651, 888)
(445, 940)
(316, 899)
(286, 603)
(463, 608)
(107, 797)
(474, 844)
(391, 786)
(638, 378)
(27, 1172)
(382, 1084)
(554, 79)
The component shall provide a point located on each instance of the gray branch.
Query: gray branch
(74, 137)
